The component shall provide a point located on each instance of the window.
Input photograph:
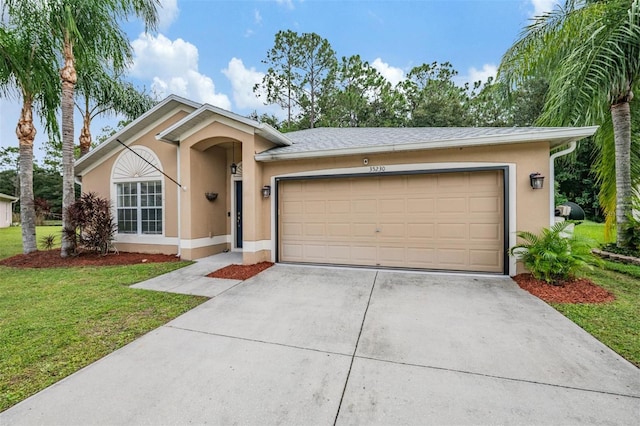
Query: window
(139, 206)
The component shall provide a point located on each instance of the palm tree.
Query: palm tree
(90, 32)
(100, 92)
(28, 68)
(589, 52)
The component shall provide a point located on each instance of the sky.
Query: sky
(211, 51)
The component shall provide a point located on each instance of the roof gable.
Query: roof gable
(172, 103)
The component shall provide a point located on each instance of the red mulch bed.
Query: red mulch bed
(52, 259)
(240, 272)
(578, 290)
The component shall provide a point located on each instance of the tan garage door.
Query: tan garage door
(447, 221)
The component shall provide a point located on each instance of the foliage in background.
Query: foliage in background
(588, 51)
(93, 225)
(576, 180)
(554, 254)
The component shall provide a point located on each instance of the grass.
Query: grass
(11, 239)
(617, 323)
(55, 321)
(594, 231)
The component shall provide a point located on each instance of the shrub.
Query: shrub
(631, 234)
(93, 225)
(554, 254)
(48, 241)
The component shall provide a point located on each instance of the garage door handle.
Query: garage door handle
(377, 229)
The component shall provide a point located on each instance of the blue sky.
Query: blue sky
(211, 50)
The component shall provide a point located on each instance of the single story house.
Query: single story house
(6, 210)
(194, 180)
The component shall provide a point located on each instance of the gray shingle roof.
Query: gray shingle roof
(337, 141)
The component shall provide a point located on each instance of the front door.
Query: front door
(238, 189)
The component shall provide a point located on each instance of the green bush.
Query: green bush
(555, 254)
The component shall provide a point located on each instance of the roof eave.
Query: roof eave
(92, 156)
(175, 133)
(555, 137)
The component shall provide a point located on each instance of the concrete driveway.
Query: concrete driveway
(307, 346)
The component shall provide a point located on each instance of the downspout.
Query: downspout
(552, 180)
(179, 202)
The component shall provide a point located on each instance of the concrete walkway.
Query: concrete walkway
(193, 280)
(325, 346)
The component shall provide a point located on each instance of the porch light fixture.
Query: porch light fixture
(234, 166)
(266, 191)
(536, 180)
(211, 196)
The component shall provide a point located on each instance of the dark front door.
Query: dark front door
(239, 214)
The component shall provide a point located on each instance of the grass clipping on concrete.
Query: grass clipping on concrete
(55, 321)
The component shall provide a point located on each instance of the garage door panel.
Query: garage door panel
(484, 231)
(488, 204)
(452, 231)
(314, 207)
(451, 205)
(420, 205)
(484, 259)
(451, 221)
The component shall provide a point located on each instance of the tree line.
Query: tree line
(316, 89)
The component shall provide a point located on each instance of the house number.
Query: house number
(376, 169)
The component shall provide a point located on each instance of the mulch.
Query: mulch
(577, 290)
(240, 272)
(52, 259)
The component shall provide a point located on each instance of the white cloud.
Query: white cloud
(287, 3)
(488, 70)
(242, 81)
(257, 17)
(393, 74)
(173, 68)
(542, 6)
(167, 13)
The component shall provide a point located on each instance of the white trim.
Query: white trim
(113, 193)
(408, 168)
(102, 157)
(256, 246)
(145, 239)
(560, 136)
(205, 242)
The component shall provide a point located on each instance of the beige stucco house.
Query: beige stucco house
(417, 198)
(6, 209)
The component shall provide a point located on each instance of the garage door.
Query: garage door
(445, 221)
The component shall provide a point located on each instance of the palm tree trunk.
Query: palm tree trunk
(26, 133)
(69, 79)
(621, 117)
(85, 133)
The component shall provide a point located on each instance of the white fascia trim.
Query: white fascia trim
(408, 168)
(145, 239)
(564, 135)
(256, 246)
(96, 151)
(223, 116)
(205, 242)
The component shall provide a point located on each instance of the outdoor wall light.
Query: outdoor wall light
(234, 166)
(536, 180)
(211, 196)
(266, 191)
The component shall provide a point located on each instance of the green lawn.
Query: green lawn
(11, 238)
(617, 323)
(594, 231)
(56, 321)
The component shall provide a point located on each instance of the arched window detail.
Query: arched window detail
(138, 192)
